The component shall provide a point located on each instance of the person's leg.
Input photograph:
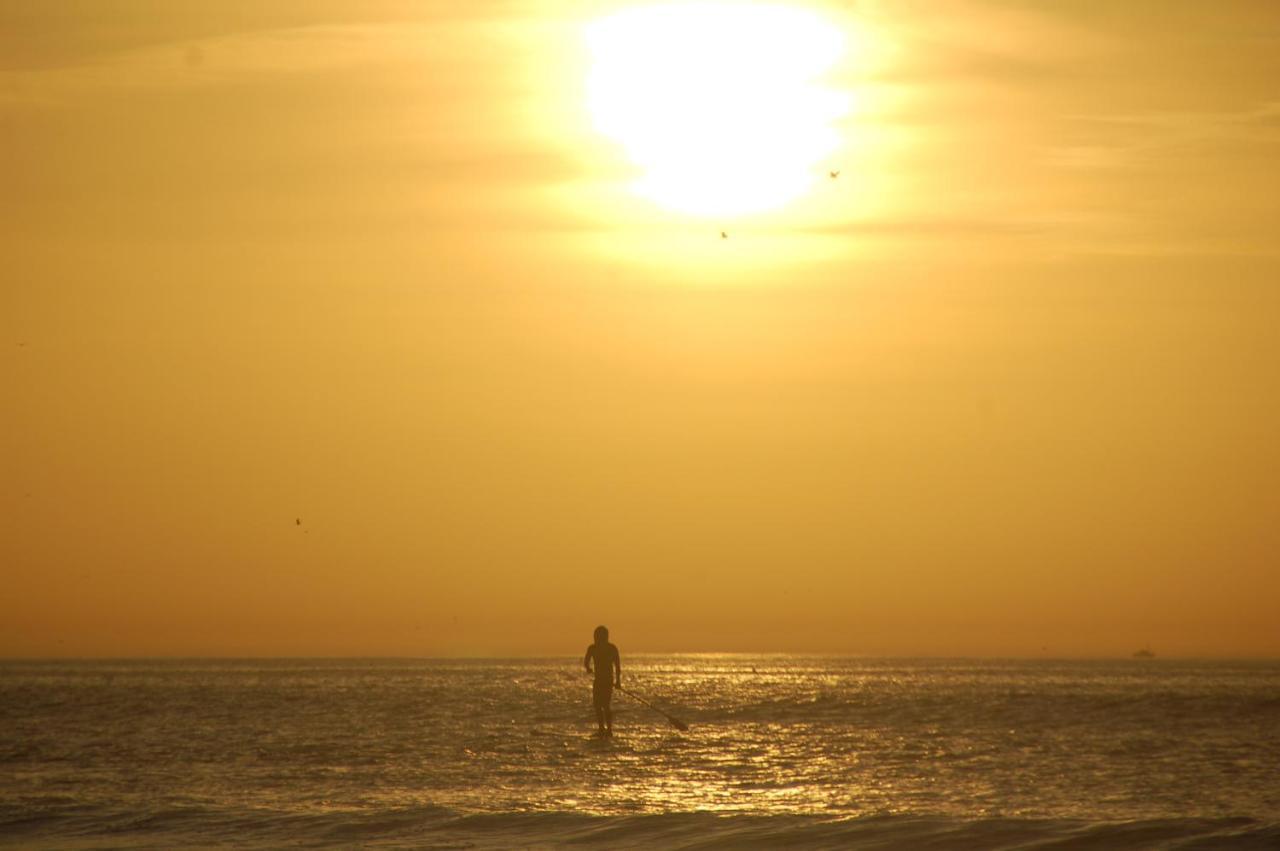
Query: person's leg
(601, 706)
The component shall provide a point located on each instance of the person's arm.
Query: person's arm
(586, 661)
(617, 667)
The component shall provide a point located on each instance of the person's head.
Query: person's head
(602, 635)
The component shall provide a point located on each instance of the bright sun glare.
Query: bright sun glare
(721, 105)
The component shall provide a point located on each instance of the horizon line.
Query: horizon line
(648, 653)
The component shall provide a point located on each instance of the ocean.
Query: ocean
(780, 751)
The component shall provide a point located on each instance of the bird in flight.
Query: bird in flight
(297, 521)
(724, 235)
(833, 174)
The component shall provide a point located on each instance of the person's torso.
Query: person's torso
(602, 656)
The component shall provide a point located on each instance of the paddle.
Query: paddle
(675, 722)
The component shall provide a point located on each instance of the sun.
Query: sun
(721, 106)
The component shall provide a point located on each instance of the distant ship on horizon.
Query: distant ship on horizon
(1144, 653)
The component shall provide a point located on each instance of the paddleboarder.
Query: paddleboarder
(602, 659)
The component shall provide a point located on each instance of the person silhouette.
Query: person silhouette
(602, 656)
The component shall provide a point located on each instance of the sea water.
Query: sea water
(780, 750)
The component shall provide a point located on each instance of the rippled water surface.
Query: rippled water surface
(500, 752)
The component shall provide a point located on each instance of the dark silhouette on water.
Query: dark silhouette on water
(671, 719)
(603, 660)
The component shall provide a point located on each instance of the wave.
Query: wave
(438, 827)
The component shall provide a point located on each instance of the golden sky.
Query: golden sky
(445, 283)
